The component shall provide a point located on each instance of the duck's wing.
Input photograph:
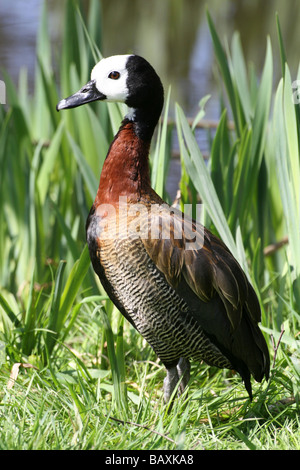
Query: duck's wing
(200, 267)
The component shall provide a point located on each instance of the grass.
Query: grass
(74, 374)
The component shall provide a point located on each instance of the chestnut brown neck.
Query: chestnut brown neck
(125, 170)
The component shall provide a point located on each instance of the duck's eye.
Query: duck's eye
(114, 75)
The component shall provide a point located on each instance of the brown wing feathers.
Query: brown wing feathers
(208, 271)
(219, 296)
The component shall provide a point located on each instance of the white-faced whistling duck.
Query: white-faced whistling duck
(189, 301)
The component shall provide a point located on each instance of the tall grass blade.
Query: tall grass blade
(226, 75)
(28, 334)
(73, 284)
(241, 80)
(292, 138)
(44, 175)
(88, 175)
(286, 148)
(52, 335)
(198, 171)
(159, 166)
(8, 316)
(120, 395)
(281, 45)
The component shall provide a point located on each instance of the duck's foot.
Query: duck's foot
(175, 374)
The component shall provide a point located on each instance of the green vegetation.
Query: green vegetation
(74, 374)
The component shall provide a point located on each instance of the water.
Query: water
(173, 35)
(18, 26)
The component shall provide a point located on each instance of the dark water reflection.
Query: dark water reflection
(172, 34)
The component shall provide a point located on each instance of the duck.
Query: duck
(174, 281)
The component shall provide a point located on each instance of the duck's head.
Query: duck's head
(128, 79)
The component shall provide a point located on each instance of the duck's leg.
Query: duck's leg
(181, 372)
(170, 382)
(183, 368)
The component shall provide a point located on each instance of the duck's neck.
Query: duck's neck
(125, 170)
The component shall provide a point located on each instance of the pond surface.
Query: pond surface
(172, 34)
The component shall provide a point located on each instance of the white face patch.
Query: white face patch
(113, 89)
